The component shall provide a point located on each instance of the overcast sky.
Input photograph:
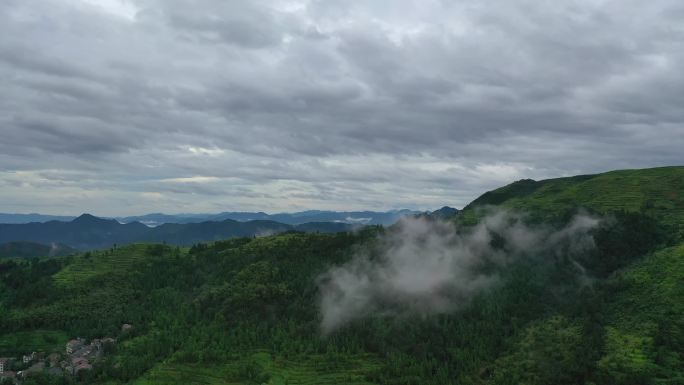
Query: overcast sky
(119, 107)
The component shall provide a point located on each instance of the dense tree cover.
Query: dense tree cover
(547, 322)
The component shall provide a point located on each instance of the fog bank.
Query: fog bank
(425, 266)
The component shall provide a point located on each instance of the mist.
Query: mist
(424, 266)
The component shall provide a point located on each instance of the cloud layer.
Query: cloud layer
(427, 267)
(125, 106)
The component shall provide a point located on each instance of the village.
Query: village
(78, 357)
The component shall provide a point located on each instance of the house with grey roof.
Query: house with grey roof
(74, 345)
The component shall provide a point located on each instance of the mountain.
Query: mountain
(156, 219)
(32, 249)
(658, 192)
(84, 232)
(90, 232)
(326, 227)
(297, 218)
(445, 212)
(358, 217)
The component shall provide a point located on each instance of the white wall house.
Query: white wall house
(73, 345)
(28, 357)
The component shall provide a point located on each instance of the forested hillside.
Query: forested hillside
(657, 192)
(251, 310)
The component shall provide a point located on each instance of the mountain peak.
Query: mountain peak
(89, 219)
(445, 212)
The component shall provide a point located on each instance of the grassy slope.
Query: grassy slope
(648, 290)
(644, 313)
(657, 191)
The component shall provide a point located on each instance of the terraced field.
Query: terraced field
(311, 371)
(104, 263)
(37, 340)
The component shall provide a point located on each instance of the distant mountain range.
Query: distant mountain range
(90, 232)
(28, 218)
(297, 218)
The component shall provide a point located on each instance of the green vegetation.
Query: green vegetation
(658, 192)
(106, 264)
(244, 311)
(308, 370)
(29, 341)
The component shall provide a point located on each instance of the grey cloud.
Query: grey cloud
(249, 25)
(291, 91)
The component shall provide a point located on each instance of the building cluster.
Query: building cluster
(78, 356)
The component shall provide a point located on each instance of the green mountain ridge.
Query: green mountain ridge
(245, 310)
(658, 192)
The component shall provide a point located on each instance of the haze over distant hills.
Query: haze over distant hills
(90, 232)
(33, 217)
(295, 218)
